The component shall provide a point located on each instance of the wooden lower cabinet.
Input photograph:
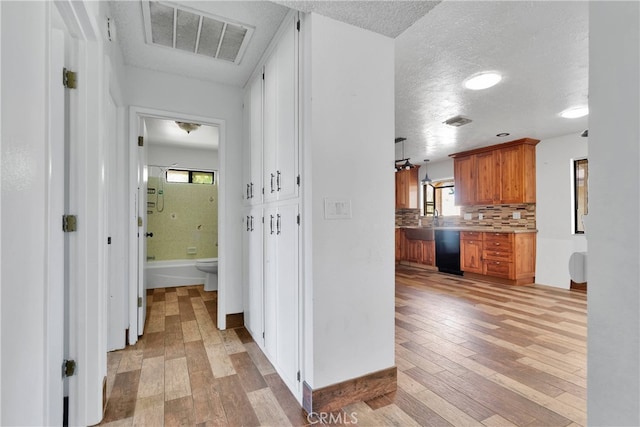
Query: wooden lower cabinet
(509, 257)
(415, 251)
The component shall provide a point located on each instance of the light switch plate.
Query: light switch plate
(516, 215)
(337, 208)
(480, 216)
(467, 216)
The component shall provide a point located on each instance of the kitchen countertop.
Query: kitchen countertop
(482, 229)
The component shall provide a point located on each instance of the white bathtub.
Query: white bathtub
(177, 272)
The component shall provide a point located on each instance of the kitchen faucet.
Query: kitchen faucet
(436, 221)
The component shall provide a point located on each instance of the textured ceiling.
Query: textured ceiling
(541, 48)
(389, 18)
(264, 16)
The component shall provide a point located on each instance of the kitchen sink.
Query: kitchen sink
(419, 233)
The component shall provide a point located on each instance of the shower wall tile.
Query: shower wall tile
(189, 219)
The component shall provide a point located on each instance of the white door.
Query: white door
(246, 146)
(270, 128)
(142, 227)
(255, 182)
(254, 231)
(287, 305)
(287, 141)
(270, 283)
(56, 248)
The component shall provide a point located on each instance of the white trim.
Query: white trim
(135, 114)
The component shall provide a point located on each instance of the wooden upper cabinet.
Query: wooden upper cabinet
(487, 186)
(464, 179)
(499, 174)
(407, 186)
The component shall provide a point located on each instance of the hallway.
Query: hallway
(468, 353)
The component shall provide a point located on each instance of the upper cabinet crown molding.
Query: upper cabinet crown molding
(498, 174)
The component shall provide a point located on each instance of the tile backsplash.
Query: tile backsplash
(495, 217)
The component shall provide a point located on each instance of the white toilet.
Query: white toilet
(209, 266)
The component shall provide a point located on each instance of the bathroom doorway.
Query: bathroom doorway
(176, 223)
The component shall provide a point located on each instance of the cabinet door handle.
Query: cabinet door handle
(252, 190)
(251, 222)
(248, 194)
(272, 176)
(278, 224)
(278, 180)
(247, 222)
(271, 224)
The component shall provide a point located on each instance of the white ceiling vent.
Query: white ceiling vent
(193, 31)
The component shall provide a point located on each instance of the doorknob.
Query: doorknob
(149, 234)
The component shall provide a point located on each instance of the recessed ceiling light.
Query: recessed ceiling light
(500, 135)
(575, 112)
(482, 80)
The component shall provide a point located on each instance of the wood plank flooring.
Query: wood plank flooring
(468, 354)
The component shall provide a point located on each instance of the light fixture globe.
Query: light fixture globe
(188, 127)
(575, 112)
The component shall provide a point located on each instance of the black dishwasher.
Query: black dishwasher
(448, 251)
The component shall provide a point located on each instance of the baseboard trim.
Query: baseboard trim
(580, 287)
(235, 320)
(336, 396)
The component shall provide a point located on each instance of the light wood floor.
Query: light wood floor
(468, 354)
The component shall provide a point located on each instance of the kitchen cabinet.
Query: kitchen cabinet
(407, 187)
(499, 174)
(399, 245)
(413, 250)
(471, 251)
(428, 252)
(509, 257)
(464, 181)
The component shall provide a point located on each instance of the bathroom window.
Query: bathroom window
(581, 193)
(190, 177)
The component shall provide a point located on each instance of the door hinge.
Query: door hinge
(298, 28)
(68, 368)
(298, 376)
(298, 180)
(298, 219)
(263, 75)
(139, 301)
(262, 334)
(69, 223)
(141, 141)
(69, 79)
(139, 221)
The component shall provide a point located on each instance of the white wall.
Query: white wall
(23, 226)
(168, 92)
(350, 282)
(554, 206)
(613, 230)
(440, 170)
(193, 158)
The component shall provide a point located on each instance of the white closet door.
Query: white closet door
(287, 142)
(270, 127)
(255, 323)
(255, 180)
(247, 127)
(287, 303)
(270, 283)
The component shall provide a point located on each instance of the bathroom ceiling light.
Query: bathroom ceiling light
(482, 80)
(575, 112)
(503, 134)
(188, 127)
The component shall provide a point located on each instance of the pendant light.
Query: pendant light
(407, 164)
(426, 179)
